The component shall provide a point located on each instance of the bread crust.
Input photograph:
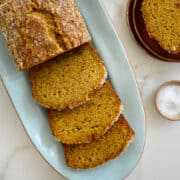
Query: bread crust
(38, 30)
(121, 121)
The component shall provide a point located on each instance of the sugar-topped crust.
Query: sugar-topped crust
(38, 30)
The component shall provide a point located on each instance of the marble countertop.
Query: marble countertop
(20, 160)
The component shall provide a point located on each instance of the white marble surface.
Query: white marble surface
(161, 160)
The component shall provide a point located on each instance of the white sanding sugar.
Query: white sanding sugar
(168, 101)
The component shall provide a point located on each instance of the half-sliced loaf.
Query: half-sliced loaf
(38, 30)
(68, 80)
(111, 145)
(89, 121)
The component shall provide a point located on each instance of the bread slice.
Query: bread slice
(68, 80)
(37, 30)
(111, 145)
(162, 20)
(89, 121)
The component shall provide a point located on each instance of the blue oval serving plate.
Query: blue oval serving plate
(34, 119)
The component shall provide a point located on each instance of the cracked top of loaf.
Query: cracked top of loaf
(38, 30)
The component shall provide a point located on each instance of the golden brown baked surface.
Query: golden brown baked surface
(89, 121)
(111, 145)
(162, 20)
(38, 30)
(68, 80)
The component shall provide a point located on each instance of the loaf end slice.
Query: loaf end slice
(110, 146)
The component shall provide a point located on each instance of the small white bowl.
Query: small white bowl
(175, 117)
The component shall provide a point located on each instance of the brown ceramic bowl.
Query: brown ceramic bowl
(137, 26)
